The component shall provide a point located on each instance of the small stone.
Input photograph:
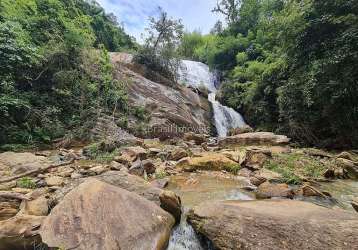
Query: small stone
(149, 166)
(178, 154)
(116, 166)
(137, 168)
(54, 181)
(76, 175)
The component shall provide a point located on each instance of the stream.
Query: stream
(195, 188)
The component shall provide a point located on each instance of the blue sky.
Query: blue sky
(133, 14)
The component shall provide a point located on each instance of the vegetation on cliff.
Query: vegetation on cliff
(55, 73)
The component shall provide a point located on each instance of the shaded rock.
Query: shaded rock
(148, 166)
(137, 168)
(355, 204)
(308, 191)
(245, 172)
(96, 215)
(329, 173)
(20, 232)
(116, 165)
(54, 181)
(257, 180)
(256, 138)
(178, 154)
(131, 154)
(269, 190)
(171, 202)
(346, 155)
(19, 163)
(206, 161)
(274, 224)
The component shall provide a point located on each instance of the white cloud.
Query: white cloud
(133, 14)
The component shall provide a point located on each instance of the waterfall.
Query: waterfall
(197, 74)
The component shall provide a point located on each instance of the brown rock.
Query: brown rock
(268, 175)
(242, 130)
(149, 166)
(355, 204)
(137, 168)
(274, 224)
(178, 154)
(257, 180)
(308, 191)
(8, 209)
(256, 158)
(98, 169)
(206, 161)
(171, 202)
(96, 215)
(54, 181)
(256, 138)
(20, 232)
(19, 163)
(39, 207)
(269, 190)
(350, 167)
(197, 138)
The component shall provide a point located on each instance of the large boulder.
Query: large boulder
(97, 215)
(270, 190)
(255, 138)
(349, 167)
(18, 163)
(274, 224)
(131, 183)
(207, 161)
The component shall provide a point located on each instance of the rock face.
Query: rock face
(96, 215)
(256, 138)
(207, 161)
(274, 224)
(130, 183)
(18, 163)
(170, 108)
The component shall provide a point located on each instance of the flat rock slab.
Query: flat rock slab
(274, 224)
(255, 138)
(21, 162)
(96, 215)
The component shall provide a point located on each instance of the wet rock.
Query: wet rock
(245, 172)
(206, 161)
(178, 154)
(307, 191)
(274, 224)
(54, 181)
(256, 138)
(18, 163)
(20, 232)
(269, 190)
(84, 224)
(171, 202)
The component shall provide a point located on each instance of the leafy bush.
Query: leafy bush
(26, 182)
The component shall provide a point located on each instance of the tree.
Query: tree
(230, 9)
(159, 52)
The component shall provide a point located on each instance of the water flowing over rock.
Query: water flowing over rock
(274, 224)
(198, 75)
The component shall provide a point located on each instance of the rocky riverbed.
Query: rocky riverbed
(247, 191)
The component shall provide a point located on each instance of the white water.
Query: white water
(198, 74)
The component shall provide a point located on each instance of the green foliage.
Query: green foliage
(100, 152)
(55, 71)
(26, 182)
(189, 42)
(234, 168)
(289, 67)
(160, 174)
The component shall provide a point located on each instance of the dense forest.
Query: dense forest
(55, 73)
(287, 66)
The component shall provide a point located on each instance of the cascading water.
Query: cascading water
(197, 74)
